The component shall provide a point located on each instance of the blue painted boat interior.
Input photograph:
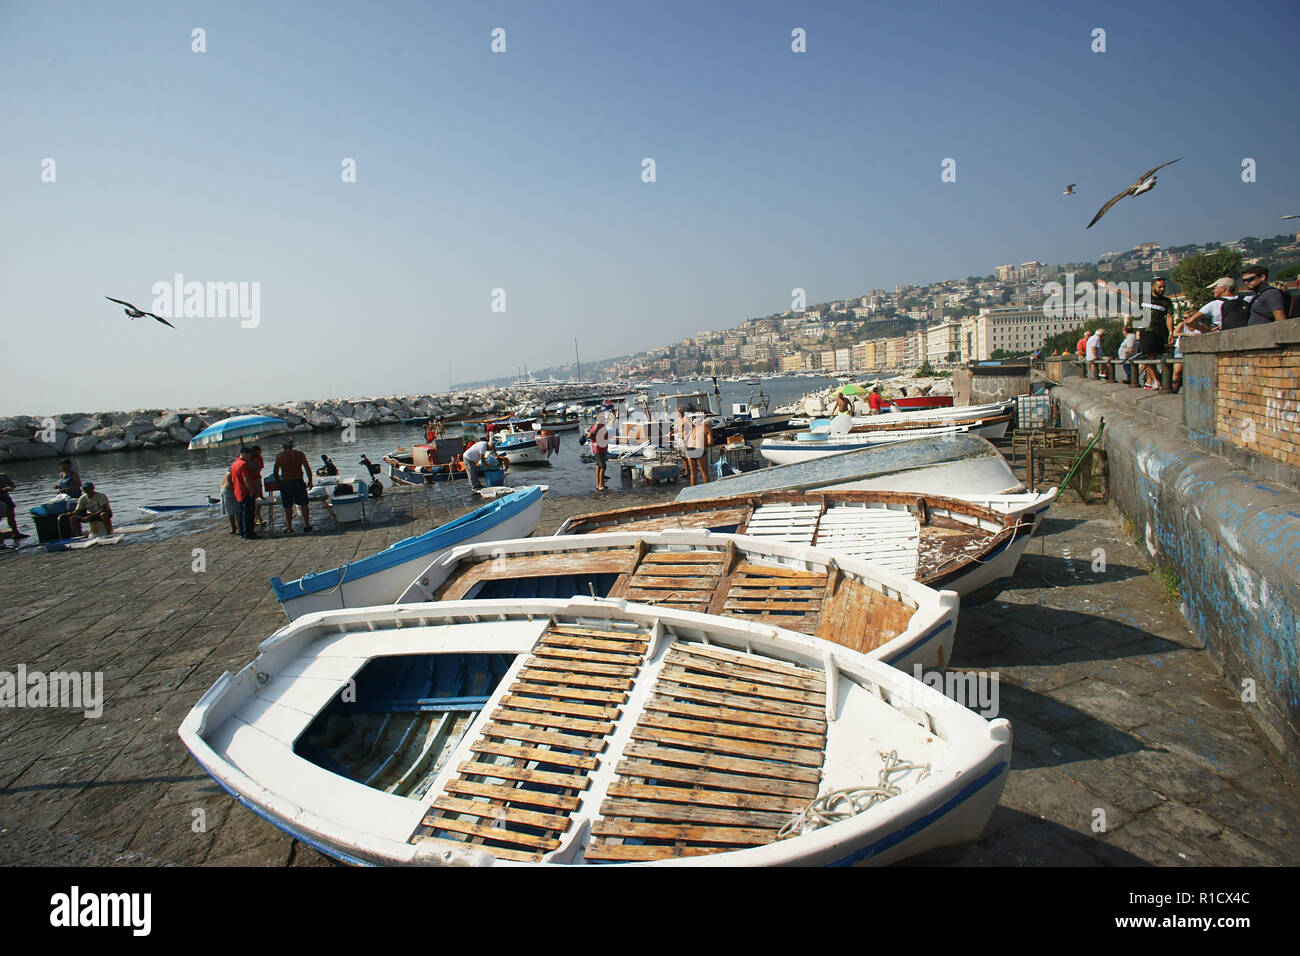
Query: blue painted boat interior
(405, 713)
(439, 539)
(557, 586)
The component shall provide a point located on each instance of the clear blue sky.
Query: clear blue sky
(522, 171)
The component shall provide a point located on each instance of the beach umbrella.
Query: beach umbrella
(239, 430)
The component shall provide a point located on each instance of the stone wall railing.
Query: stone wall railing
(1242, 397)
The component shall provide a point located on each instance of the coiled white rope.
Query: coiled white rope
(848, 802)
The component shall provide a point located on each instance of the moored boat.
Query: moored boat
(381, 577)
(591, 732)
(809, 445)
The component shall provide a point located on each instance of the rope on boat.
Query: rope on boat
(850, 801)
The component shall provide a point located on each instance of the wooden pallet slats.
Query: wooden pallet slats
(557, 715)
(697, 777)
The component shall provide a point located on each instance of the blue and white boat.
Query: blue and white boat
(528, 732)
(519, 447)
(380, 578)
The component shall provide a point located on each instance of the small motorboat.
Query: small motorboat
(381, 577)
(592, 732)
(806, 446)
(402, 469)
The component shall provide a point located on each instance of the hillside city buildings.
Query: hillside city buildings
(944, 323)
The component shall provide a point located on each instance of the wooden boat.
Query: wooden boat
(589, 732)
(944, 543)
(401, 468)
(868, 606)
(957, 466)
(920, 401)
(381, 577)
(809, 445)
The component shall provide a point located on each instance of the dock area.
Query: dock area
(1130, 747)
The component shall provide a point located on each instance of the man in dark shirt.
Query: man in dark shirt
(1154, 339)
(1268, 304)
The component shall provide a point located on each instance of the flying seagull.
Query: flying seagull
(135, 313)
(1069, 190)
(1293, 216)
(1145, 182)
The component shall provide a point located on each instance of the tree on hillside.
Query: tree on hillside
(1195, 273)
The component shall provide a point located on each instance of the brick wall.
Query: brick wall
(1257, 402)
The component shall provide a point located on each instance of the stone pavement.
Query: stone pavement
(1113, 707)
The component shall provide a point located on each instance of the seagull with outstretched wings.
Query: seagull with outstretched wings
(1069, 190)
(135, 313)
(1145, 183)
(1292, 216)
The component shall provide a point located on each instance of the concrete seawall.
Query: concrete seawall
(1232, 539)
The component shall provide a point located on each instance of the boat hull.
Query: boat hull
(960, 466)
(785, 452)
(380, 578)
(243, 731)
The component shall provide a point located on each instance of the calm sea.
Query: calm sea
(131, 479)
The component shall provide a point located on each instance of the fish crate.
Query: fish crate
(1034, 411)
(1052, 452)
(1025, 439)
(730, 458)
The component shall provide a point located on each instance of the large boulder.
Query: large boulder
(111, 444)
(320, 418)
(81, 445)
(170, 420)
(110, 431)
(194, 424)
(179, 434)
(153, 437)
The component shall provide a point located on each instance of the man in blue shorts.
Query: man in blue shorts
(293, 473)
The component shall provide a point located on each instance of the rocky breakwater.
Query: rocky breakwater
(27, 437)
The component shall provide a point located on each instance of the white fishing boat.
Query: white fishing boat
(381, 577)
(588, 732)
(809, 445)
(519, 447)
(956, 466)
(922, 417)
(944, 543)
(873, 606)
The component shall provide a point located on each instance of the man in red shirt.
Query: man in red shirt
(875, 401)
(245, 482)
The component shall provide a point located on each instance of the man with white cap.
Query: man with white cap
(1225, 291)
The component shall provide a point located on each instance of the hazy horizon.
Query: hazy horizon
(522, 170)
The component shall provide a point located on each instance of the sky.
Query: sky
(131, 157)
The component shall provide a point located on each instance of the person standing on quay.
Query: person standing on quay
(245, 485)
(7, 506)
(293, 472)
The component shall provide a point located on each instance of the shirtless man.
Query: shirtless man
(294, 475)
(697, 449)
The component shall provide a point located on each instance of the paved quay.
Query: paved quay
(1130, 747)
